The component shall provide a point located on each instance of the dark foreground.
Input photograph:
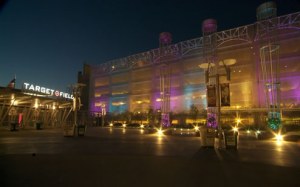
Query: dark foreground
(118, 157)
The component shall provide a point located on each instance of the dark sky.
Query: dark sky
(46, 42)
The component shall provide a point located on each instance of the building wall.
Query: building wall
(132, 83)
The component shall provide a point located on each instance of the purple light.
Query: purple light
(165, 38)
(212, 120)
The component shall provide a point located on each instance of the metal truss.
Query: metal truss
(282, 22)
(184, 49)
(240, 33)
(187, 46)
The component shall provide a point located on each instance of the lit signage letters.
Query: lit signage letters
(48, 91)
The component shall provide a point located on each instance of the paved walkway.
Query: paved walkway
(84, 163)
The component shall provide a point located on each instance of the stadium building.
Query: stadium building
(256, 65)
(34, 106)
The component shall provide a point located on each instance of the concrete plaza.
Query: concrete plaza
(130, 157)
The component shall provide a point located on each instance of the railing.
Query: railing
(183, 49)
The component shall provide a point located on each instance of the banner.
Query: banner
(211, 96)
(225, 94)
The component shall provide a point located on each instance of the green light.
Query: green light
(274, 123)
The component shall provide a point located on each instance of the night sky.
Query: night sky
(46, 42)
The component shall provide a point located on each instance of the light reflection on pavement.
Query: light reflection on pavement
(114, 156)
(123, 141)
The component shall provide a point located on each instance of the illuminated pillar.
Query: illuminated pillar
(209, 27)
(165, 39)
(269, 61)
(165, 95)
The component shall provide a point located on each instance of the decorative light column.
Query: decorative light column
(103, 113)
(267, 27)
(165, 39)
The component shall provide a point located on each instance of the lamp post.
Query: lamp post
(76, 88)
(103, 113)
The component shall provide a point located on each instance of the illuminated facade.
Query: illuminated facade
(34, 105)
(133, 83)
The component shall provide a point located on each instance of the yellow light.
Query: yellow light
(279, 137)
(12, 99)
(124, 125)
(160, 132)
(235, 129)
(36, 104)
(248, 131)
(142, 126)
(111, 125)
(196, 128)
